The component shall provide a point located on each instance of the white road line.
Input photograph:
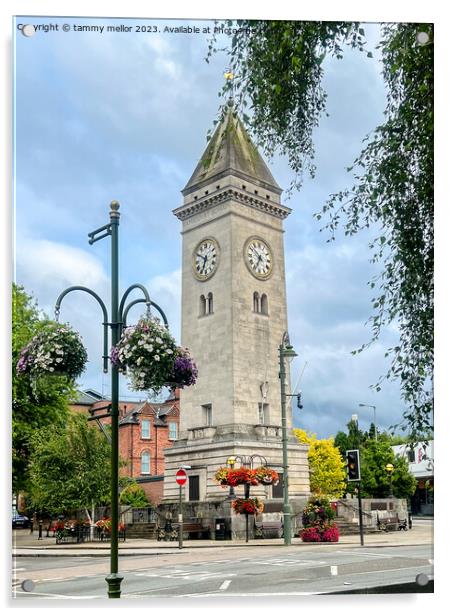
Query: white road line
(15, 569)
(333, 570)
(225, 585)
(53, 596)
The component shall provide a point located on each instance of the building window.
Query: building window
(207, 414)
(193, 488)
(210, 304)
(263, 413)
(255, 301)
(145, 463)
(277, 490)
(410, 455)
(202, 306)
(172, 431)
(145, 428)
(260, 303)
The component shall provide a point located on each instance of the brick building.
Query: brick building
(145, 430)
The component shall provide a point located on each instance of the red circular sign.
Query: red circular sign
(181, 477)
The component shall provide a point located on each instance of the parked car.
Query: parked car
(20, 521)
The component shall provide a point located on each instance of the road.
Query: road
(233, 572)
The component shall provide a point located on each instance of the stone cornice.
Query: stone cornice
(195, 207)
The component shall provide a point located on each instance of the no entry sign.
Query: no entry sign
(181, 477)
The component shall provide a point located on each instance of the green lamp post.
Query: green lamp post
(286, 351)
(119, 312)
(389, 468)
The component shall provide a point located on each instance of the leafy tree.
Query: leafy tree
(355, 436)
(133, 495)
(69, 467)
(34, 404)
(374, 456)
(375, 481)
(327, 474)
(279, 69)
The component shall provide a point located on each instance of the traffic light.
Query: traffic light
(353, 470)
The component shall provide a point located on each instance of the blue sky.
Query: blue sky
(125, 116)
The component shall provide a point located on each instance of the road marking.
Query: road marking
(333, 570)
(284, 562)
(225, 585)
(15, 569)
(53, 596)
(179, 574)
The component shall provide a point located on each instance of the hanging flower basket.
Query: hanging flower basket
(148, 354)
(55, 350)
(250, 506)
(266, 475)
(241, 476)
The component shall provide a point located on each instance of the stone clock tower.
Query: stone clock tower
(234, 314)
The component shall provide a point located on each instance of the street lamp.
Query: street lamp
(371, 406)
(117, 322)
(230, 462)
(286, 351)
(389, 468)
(360, 507)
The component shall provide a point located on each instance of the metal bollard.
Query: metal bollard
(40, 530)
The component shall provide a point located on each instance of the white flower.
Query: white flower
(157, 357)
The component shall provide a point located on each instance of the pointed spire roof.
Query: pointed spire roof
(230, 151)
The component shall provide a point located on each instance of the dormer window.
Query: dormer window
(145, 428)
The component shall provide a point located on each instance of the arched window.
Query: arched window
(256, 301)
(145, 463)
(202, 306)
(264, 304)
(210, 304)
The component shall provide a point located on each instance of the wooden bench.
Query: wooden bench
(190, 530)
(391, 523)
(273, 529)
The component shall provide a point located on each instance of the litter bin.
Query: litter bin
(220, 530)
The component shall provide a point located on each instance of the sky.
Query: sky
(124, 115)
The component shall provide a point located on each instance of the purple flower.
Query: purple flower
(185, 371)
(114, 356)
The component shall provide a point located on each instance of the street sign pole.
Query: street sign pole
(181, 479)
(181, 529)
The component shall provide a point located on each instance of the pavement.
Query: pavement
(28, 544)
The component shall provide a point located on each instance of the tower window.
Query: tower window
(243, 187)
(263, 412)
(202, 306)
(210, 303)
(207, 414)
(256, 306)
(260, 303)
(193, 488)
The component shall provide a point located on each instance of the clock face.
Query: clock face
(258, 258)
(205, 259)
